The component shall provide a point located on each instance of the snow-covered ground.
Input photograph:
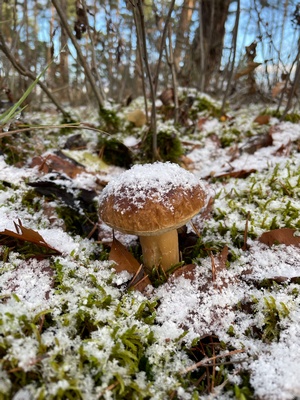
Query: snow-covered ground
(69, 328)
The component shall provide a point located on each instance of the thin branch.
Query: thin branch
(25, 72)
(171, 63)
(87, 70)
(79, 125)
(152, 88)
(95, 71)
(163, 43)
(206, 360)
(294, 87)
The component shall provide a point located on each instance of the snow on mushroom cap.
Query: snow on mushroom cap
(150, 198)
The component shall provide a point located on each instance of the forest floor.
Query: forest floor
(224, 325)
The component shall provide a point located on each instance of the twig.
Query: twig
(206, 360)
(213, 266)
(171, 63)
(71, 126)
(150, 78)
(87, 70)
(25, 72)
(235, 34)
(163, 43)
(95, 70)
(294, 87)
(246, 232)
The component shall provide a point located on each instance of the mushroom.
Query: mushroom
(152, 201)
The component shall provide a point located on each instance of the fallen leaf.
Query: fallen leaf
(28, 235)
(283, 150)
(167, 97)
(137, 117)
(87, 159)
(220, 260)
(123, 258)
(243, 173)
(262, 119)
(280, 236)
(257, 142)
(201, 122)
(186, 162)
(54, 162)
(124, 261)
(218, 265)
(187, 271)
(39, 269)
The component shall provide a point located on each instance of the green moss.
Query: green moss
(77, 223)
(290, 117)
(273, 315)
(32, 201)
(168, 146)
(114, 152)
(202, 104)
(15, 149)
(64, 121)
(256, 199)
(229, 136)
(109, 121)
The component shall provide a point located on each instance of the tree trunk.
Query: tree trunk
(63, 58)
(182, 30)
(207, 46)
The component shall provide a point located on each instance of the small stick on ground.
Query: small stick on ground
(245, 246)
(206, 360)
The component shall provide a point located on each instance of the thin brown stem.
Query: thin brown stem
(25, 72)
(153, 126)
(171, 63)
(87, 70)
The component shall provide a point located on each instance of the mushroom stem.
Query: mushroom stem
(160, 250)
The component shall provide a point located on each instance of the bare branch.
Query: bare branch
(25, 72)
(87, 70)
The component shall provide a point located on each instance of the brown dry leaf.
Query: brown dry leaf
(201, 122)
(280, 236)
(220, 260)
(137, 117)
(167, 97)
(186, 162)
(124, 261)
(243, 173)
(257, 142)
(55, 163)
(262, 119)
(284, 149)
(123, 258)
(28, 235)
(187, 271)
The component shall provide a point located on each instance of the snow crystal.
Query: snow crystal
(275, 373)
(30, 281)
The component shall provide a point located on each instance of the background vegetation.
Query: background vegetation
(115, 50)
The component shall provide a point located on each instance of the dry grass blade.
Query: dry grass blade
(79, 125)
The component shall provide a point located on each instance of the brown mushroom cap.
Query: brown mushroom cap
(151, 199)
